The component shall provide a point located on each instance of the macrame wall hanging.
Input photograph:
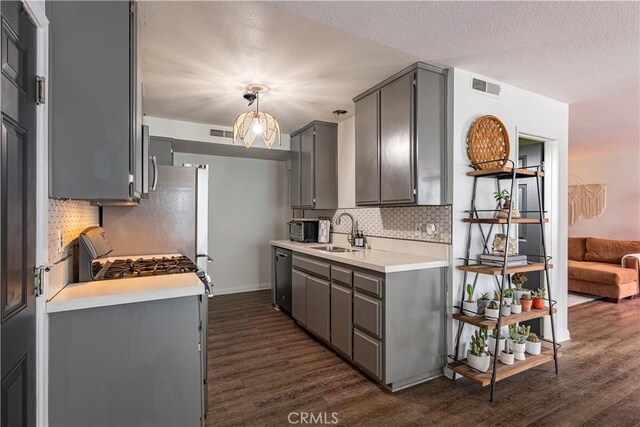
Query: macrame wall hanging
(586, 201)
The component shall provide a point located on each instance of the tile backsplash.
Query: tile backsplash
(393, 222)
(70, 217)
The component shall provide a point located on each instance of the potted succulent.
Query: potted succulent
(538, 298)
(524, 330)
(517, 341)
(518, 279)
(533, 345)
(506, 309)
(507, 296)
(483, 302)
(516, 307)
(505, 198)
(526, 302)
(477, 356)
(507, 356)
(470, 306)
(492, 341)
(492, 311)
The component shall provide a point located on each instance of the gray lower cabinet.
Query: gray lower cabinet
(318, 307)
(299, 296)
(96, 144)
(341, 319)
(367, 353)
(314, 178)
(401, 139)
(367, 314)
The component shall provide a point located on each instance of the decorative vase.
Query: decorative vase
(526, 304)
(491, 313)
(538, 303)
(506, 310)
(482, 305)
(507, 300)
(504, 213)
(506, 358)
(516, 308)
(479, 363)
(533, 348)
(470, 308)
(491, 343)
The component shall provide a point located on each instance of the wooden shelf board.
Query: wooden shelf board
(497, 271)
(502, 371)
(504, 220)
(505, 172)
(481, 322)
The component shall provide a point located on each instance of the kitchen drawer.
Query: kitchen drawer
(342, 276)
(367, 353)
(367, 314)
(311, 266)
(366, 283)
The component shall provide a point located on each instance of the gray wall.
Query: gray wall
(248, 206)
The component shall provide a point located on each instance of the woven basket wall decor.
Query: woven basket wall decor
(488, 140)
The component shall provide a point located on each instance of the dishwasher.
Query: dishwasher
(283, 279)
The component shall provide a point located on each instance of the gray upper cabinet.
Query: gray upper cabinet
(314, 176)
(401, 139)
(367, 147)
(96, 123)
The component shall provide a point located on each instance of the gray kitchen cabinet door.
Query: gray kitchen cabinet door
(367, 353)
(367, 151)
(397, 154)
(318, 307)
(307, 168)
(295, 171)
(92, 101)
(161, 149)
(299, 296)
(341, 323)
(325, 166)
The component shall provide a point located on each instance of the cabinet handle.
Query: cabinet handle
(154, 162)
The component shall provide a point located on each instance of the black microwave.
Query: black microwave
(303, 231)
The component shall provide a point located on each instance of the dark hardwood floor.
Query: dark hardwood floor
(262, 367)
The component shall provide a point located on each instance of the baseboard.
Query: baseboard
(227, 290)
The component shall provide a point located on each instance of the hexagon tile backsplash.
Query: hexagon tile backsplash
(70, 217)
(393, 222)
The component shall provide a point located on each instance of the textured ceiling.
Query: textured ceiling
(198, 57)
(583, 53)
(317, 55)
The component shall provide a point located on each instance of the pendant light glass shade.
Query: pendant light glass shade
(249, 125)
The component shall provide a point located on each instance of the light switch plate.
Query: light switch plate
(59, 240)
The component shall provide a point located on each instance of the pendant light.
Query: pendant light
(249, 125)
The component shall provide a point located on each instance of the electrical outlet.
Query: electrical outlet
(431, 230)
(59, 240)
(417, 229)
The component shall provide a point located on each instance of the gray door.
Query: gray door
(318, 297)
(397, 165)
(295, 171)
(17, 217)
(367, 151)
(307, 165)
(341, 324)
(299, 296)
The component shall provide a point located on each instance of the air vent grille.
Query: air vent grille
(486, 87)
(221, 133)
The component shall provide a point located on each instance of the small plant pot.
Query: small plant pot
(519, 292)
(491, 313)
(538, 303)
(491, 343)
(526, 304)
(516, 308)
(479, 363)
(517, 348)
(470, 308)
(533, 348)
(507, 300)
(506, 310)
(507, 358)
(518, 355)
(482, 305)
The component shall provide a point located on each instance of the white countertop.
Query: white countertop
(371, 259)
(101, 293)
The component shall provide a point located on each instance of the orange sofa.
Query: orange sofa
(596, 267)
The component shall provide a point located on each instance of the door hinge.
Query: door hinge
(38, 278)
(199, 347)
(40, 90)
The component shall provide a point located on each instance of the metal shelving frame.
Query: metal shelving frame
(513, 174)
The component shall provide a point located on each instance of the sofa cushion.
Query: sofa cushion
(577, 248)
(601, 273)
(611, 251)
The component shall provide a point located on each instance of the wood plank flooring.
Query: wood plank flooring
(262, 367)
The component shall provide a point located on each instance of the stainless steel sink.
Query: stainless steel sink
(333, 249)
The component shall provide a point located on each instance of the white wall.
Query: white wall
(524, 112)
(247, 209)
(620, 171)
(347, 163)
(190, 131)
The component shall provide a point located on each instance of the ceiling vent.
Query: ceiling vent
(485, 87)
(221, 133)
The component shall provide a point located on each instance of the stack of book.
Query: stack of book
(498, 260)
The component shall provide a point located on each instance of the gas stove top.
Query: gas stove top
(142, 267)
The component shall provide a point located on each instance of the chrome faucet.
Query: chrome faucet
(354, 226)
